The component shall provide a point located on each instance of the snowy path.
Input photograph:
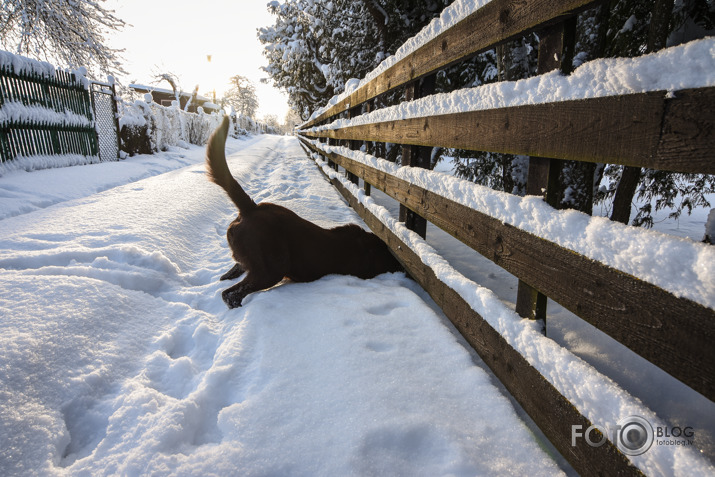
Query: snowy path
(117, 355)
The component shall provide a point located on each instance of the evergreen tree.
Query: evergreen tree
(509, 62)
(316, 46)
(622, 28)
(66, 33)
(635, 28)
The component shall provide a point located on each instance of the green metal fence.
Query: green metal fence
(44, 115)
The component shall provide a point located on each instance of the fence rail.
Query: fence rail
(644, 130)
(497, 22)
(672, 132)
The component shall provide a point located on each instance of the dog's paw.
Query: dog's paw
(231, 298)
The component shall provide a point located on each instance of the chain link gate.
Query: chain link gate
(106, 120)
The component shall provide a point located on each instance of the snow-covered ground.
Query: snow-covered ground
(117, 355)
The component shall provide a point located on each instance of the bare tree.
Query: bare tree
(69, 33)
(242, 96)
(173, 80)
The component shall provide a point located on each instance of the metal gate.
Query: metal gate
(106, 120)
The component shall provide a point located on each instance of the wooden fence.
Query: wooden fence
(35, 130)
(673, 132)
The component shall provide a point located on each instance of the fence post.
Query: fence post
(556, 48)
(115, 110)
(352, 144)
(369, 149)
(417, 156)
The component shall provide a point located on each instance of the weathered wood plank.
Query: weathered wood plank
(688, 132)
(676, 334)
(549, 409)
(644, 129)
(494, 23)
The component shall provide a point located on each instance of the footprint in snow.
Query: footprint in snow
(385, 309)
(184, 354)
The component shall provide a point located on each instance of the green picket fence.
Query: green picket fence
(45, 115)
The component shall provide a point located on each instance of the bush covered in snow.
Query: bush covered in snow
(146, 128)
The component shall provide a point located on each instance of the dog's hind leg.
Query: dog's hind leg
(235, 272)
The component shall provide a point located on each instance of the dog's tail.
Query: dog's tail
(220, 174)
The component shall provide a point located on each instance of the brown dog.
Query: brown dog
(271, 242)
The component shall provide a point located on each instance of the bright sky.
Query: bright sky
(176, 36)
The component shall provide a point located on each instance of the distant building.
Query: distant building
(166, 97)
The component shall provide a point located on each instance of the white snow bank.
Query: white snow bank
(710, 226)
(22, 191)
(691, 65)
(681, 266)
(597, 397)
(118, 356)
(40, 161)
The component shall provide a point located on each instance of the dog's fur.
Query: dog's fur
(270, 242)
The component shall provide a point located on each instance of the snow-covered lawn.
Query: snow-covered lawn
(117, 355)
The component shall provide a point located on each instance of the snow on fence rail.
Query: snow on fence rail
(651, 292)
(44, 112)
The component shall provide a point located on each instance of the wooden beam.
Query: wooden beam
(496, 22)
(675, 334)
(644, 129)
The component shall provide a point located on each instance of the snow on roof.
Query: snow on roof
(152, 89)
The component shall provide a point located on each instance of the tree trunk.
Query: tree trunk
(624, 194)
(657, 37)
(380, 20)
(659, 25)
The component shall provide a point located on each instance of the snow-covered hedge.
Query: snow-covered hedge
(147, 127)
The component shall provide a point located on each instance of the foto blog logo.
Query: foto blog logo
(633, 435)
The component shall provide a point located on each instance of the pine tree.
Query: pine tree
(316, 46)
(636, 28)
(65, 33)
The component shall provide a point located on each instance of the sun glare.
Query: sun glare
(204, 48)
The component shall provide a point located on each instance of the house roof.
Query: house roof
(206, 102)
